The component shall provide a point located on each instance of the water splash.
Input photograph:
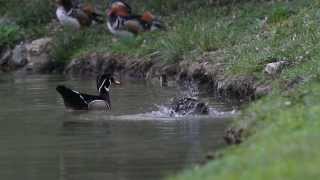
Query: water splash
(213, 112)
(187, 105)
(167, 112)
(163, 113)
(189, 89)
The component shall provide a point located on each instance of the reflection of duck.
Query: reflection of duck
(71, 16)
(80, 101)
(122, 22)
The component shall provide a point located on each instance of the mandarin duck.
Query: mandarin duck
(70, 15)
(121, 21)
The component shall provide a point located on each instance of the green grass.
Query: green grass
(28, 13)
(294, 39)
(31, 16)
(239, 30)
(194, 27)
(9, 35)
(195, 32)
(283, 128)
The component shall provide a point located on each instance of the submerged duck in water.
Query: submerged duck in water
(123, 23)
(81, 101)
(76, 17)
(188, 105)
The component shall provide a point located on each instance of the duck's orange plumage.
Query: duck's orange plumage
(147, 17)
(118, 10)
(122, 22)
(88, 9)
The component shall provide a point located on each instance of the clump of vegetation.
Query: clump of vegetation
(31, 15)
(69, 43)
(27, 13)
(9, 35)
(279, 14)
(65, 45)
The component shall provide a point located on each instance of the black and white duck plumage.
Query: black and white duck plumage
(80, 101)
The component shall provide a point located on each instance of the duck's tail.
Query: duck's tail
(64, 91)
(72, 99)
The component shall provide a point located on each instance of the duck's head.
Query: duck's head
(119, 8)
(104, 82)
(67, 4)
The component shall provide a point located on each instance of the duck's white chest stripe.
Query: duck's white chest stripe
(70, 12)
(107, 88)
(118, 23)
(102, 85)
(80, 96)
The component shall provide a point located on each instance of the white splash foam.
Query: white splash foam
(163, 113)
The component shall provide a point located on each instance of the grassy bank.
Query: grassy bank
(283, 145)
(282, 129)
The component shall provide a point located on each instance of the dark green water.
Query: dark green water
(40, 140)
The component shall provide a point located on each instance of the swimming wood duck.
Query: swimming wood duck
(188, 105)
(122, 22)
(81, 101)
(76, 16)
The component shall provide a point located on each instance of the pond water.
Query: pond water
(136, 140)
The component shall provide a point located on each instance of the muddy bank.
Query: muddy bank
(206, 75)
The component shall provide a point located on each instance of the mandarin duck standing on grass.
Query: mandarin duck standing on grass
(76, 17)
(121, 21)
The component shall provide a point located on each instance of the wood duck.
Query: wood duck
(188, 105)
(76, 17)
(81, 101)
(123, 23)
